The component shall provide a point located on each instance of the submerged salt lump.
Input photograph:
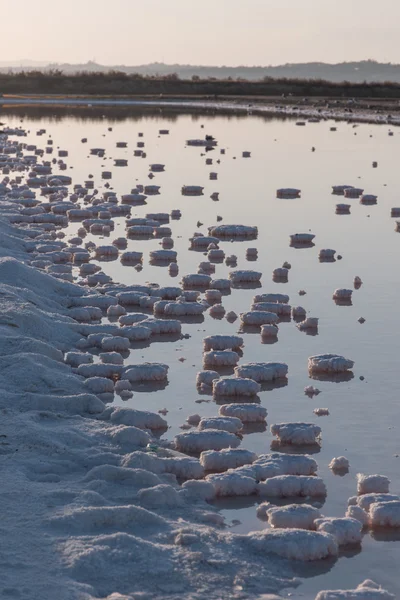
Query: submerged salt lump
(233, 231)
(258, 318)
(237, 386)
(137, 418)
(232, 483)
(231, 316)
(281, 273)
(210, 439)
(345, 530)
(286, 486)
(222, 342)
(298, 516)
(244, 276)
(297, 434)
(368, 590)
(329, 363)
(146, 372)
(288, 193)
(231, 424)
(247, 413)
(372, 484)
(262, 371)
(342, 294)
(225, 459)
(385, 514)
(294, 544)
(340, 463)
(220, 358)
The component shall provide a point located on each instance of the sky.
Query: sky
(209, 32)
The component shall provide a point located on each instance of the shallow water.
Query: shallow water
(363, 422)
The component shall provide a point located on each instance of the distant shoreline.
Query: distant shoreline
(378, 111)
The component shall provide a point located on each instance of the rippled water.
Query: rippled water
(363, 424)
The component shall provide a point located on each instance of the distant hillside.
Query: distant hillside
(354, 72)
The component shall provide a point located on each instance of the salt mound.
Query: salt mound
(385, 514)
(232, 483)
(368, 590)
(222, 342)
(329, 363)
(235, 387)
(248, 413)
(262, 371)
(210, 439)
(137, 418)
(298, 434)
(296, 544)
(345, 530)
(372, 484)
(226, 459)
(286, 486)
(298, 516)
(231, 424)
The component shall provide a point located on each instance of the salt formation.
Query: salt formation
(298, 516)
(301, 238)
(326, 254)
(210, 439)
(309, 324)
(288, 193)
(275, 307)
(297, 434)
(226, 459)
(258, 318)
(222, 342)
(235, 387)
(329, 363)
(385, 514)
(146, 372)
(287, 486)
(339, 464)
(231, 424)
(232, 483)
(269, 331)
(372, 484)
(294, 544)
(262, 371)
(248, 413)
(368, 590)
(342, 294)
(244, 276)
(220, 358)
(232, 231)
(345, 530)
(206, 378)
(275, 298)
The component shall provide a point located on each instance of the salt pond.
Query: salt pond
(363, 416)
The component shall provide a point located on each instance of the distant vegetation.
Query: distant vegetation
(355, 72)
(118, 83)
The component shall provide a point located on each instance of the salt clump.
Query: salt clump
(210, 439)
(298, 434)
(372, 484)
(299, 516)
(247, 413)
(235, 386)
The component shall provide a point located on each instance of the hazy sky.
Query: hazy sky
(213, 32)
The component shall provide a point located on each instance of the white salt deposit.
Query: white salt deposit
(235, 387)
(222, 342)
(294, 544)
(231, 424)
(262, 371)
(385, 514)
(258, 317)
(340, 463)
(345, 530)
(248, 413)
(220, 358)
(286, 486)
(368, 590)
(372, 484)
(232, 483)
(329, 363)
(298, 434)
(210, 439)
(298, 516)
(226, 459)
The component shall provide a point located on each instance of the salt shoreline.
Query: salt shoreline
(254, 107)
